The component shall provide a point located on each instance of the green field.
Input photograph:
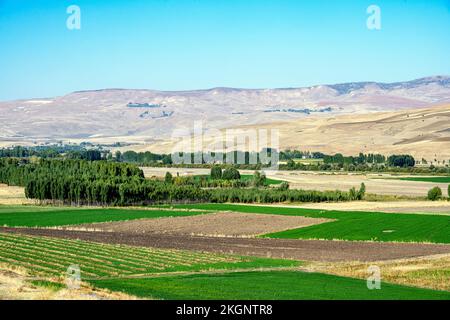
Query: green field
(50, 257)
(437, 179)
(287, 285)
(149, 273)
(375, 226)
(268, 181)
(28, 216)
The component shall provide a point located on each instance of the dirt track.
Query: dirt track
(307, 250)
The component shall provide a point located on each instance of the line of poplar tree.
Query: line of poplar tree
(80, 182)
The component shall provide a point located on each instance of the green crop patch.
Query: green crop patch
(25, 216)
(50, 257)
(51, 285)
(267, 182)
(273, 285)
(352, 225)
(437, 179)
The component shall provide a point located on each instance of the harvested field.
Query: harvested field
(437, 207)
(337, 181)
(15, 284)
(13, 195)
(161, 172)
(431, 272)
(214, 224)
(383, 184)
(308, 250)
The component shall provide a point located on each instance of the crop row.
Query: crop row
(50, 256)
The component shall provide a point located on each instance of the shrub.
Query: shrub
(216, 173)
(353, 194)
(435, 194)
(259, 179)
(283, 186)
(231, 174)
(168, 178)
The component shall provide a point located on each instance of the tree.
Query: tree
(216, 173)
(353, 194)
(402, 161)
(435, 194)
(291, 164)
(448, 191)
(231, 174)
(168, 178)
(362, 191)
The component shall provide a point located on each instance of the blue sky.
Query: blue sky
(195, 44)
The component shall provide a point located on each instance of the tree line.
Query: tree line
(54, 151)
(360, 159)
(281, 194)
(237, 159)
(80, 182)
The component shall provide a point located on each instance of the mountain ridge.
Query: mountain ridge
(441, 79)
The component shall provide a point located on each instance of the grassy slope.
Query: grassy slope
(49, 216)
(354, 225)
(265, 285)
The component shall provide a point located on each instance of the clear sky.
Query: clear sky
(197, 44)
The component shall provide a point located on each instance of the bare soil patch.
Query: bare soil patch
(305, 250)
(225, 224)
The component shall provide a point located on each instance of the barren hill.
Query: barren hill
(424, 133)
(343, 117)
